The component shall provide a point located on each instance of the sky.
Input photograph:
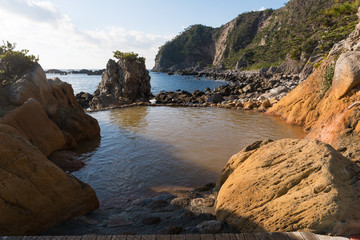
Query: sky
(75, 34)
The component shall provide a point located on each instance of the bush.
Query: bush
(131, 56)
(14, 64)
(328, 77)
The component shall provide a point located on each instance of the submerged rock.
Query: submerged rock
(290, 185)
(123, 82)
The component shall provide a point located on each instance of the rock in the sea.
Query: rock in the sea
(290, 185)
(125, 81)
(209, 227)
(34, 193)
(347, 73)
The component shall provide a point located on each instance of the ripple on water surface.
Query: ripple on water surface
(146, 148)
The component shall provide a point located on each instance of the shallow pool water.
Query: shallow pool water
(144, 150)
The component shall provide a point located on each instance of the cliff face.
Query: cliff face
(323, 103)
(293, 38)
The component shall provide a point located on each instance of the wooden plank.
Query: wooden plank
(102, 237)
(89, 237)
(309, 236)
(265, 236)
(29, 238)
(44, 237)
(250, 236)
(59, 237)
(133, 237)
(207, 237)
(148, 237)
(280, 236)
(222, 237)
(176, 237)
(162, 237)
(192, 237)
(232, 236)
(74, 238)
(324, 237)
(118, 237)
(12, 238)
(295, 236)
(239, 236)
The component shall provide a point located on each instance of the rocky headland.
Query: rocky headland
(39, 118)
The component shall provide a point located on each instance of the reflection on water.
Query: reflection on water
(147, 148)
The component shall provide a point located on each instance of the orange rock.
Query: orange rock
(34, 193)
(32, 122)
(290, 185)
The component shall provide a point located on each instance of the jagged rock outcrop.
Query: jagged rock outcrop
(321, 103)
(58, 101)
(123, 82)
(290, 185)
(37, 118)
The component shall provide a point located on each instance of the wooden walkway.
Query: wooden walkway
(239, 236)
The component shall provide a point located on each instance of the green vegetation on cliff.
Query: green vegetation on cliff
(301, 29)
(14, 64)
(191, 46)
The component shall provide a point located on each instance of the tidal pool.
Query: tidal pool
(144, 150)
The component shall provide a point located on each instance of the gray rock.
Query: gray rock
(151, 220)
(209, 227)
(214, 98)
(171, 230)
(347, 73)
(180, 201)
(202, 202)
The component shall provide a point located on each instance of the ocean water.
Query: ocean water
(159, 82)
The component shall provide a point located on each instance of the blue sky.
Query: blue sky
(83, 33)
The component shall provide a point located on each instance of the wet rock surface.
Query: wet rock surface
(177, 211)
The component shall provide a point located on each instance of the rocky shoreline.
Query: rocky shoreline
(174, 211)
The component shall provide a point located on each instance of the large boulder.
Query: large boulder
(125, 81)
(290, 185)
(347, 73)
(31, 120)
(34, 193)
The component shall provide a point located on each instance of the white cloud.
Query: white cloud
(262, 8)
(40, 27)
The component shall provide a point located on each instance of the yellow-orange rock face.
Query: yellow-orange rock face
(34, 193)
(290, 185)
(33, 123)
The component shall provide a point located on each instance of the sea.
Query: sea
(159, 82)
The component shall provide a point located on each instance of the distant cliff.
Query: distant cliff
(293, 38)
